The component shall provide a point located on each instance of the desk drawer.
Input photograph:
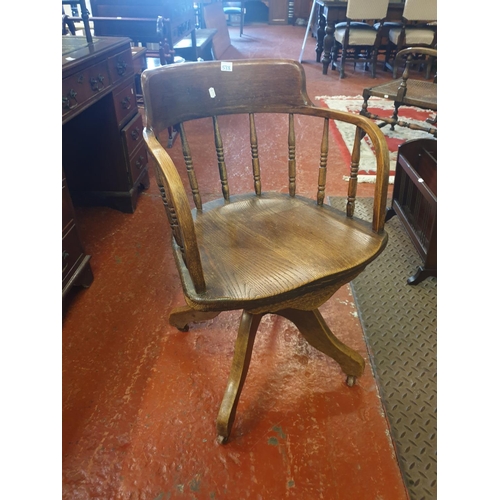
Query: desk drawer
(121, 66)
(138, 162)
(132, 134)
(125, 102)
(79, 88)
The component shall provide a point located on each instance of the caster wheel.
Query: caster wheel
(351, 380)
(221, 439)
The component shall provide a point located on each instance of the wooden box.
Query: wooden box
(415, 201)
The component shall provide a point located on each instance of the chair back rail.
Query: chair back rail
(201, 90)
(420, 10)
(362, 10)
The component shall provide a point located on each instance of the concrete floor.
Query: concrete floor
(140, 398)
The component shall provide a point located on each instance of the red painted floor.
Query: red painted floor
(140, 398)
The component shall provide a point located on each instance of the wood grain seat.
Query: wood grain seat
(260, 252)
(258, 272)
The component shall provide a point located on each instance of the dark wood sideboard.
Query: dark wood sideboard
(104, 157)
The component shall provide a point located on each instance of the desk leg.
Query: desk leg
(328, 43)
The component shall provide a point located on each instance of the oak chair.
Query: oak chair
(259, 252)
(356, 39)
(406, 91)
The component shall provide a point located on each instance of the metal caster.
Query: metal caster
(221, 439)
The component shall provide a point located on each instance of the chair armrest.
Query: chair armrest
(177, 208)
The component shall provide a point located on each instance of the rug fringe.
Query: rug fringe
(369, 179)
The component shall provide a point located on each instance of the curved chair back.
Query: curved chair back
(420, 10)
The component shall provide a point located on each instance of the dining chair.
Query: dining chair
(261, 252)
(417, 29)
(357, 39)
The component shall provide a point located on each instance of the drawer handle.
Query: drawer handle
(97, 83)
(65, 255)
(66, 101)
(135, 133)
(121, 67)
(126, 103)
(138, 162)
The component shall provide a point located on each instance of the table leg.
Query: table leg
(320, 34)
(328, 43)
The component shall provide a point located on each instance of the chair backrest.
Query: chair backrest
(179, 93)
(362, 9)
(420, 10)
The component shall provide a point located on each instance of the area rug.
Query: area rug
(400, 326)
(344, 132)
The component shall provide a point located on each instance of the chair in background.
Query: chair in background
(235, 9)
(418, 29)
(356, 39)
(259, 252)
(68, 22)
(222, 47)
(406, 91)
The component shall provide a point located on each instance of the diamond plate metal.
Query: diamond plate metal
(400, 326)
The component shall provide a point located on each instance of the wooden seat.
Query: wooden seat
(260, 252)
(405, 91)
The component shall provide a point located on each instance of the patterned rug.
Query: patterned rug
(344, 132)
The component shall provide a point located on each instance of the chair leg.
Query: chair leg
(395, 114)
(374, 63)
(239, 369)
(180, 317)
(313, 327)
(342, 62)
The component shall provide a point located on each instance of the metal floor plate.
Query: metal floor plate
(400, 326)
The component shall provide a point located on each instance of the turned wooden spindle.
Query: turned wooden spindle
(220, 159)
(172, 217)
(255, 155)
(322, 164)
(188, 160)
(353, 178)
(291, 156)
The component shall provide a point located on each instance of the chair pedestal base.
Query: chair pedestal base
(310, 324)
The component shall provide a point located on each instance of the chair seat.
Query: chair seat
(249, 255)
(413, 36)
(419, 93)
(357, 36)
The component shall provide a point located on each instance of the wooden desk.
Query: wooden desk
(103, 152)
(331, 12)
